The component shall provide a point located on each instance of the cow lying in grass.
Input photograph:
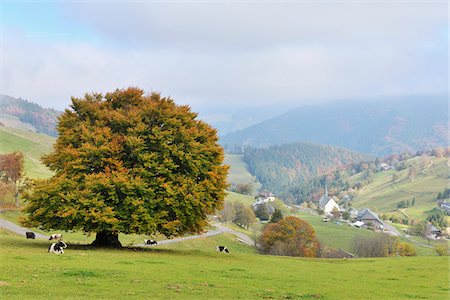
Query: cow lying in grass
(30, 235)
(56, 236)
(57, 248)
(150, 242)
(222, 249)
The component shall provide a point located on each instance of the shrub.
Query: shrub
(379, 245)
(290, 236)
(441, 249)
(404, 249)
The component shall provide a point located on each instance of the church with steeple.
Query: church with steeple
(326, 203)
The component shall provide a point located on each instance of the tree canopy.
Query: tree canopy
(126, 162)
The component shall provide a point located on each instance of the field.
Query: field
(382, 194)
(32, 145)
(238, 172)
(195, 271)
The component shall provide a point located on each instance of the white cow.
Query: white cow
(57, 248)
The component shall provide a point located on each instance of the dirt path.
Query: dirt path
(19, 230)
(220, 230)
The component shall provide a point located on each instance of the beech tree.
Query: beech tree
(126, 162)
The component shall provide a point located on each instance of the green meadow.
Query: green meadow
(193, 270)
(32, 145)
(238, 172)
(382, 195)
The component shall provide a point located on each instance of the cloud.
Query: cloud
(234, 54)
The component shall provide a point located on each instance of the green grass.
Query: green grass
(32, 145)
(29, 272)
(235, 197)
(239, 173)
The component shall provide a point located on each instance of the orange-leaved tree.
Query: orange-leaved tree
(12, 175)
(290, 236)
(126, 162)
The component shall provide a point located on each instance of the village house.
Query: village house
(263, 198)
(368, 217)
(444, 205)
(433, 232)
(384, 167)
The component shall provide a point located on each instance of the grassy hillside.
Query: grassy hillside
(238, 172)
(235, 197)
(383, 194)
(29, 272)
(32, 145)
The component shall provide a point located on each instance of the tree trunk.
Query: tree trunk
(107, 239)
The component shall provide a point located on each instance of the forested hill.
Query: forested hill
(281, 169)
(377, 126)
(22, 114)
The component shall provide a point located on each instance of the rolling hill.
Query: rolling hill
(383, 193)
(280, 169)
(375, 126)
(32, 145)
(25, 115)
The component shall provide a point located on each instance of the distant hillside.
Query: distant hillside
(281, 169)
(387, 189)
(25, 115)
(377, 126)
(32, 145)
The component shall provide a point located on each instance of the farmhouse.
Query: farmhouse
(384, 167)
(444, 205)
(327, 204)
(370, 218)
(433, 232)
(263, 198)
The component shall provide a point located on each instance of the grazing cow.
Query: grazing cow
(222, 249)
(56, 236)
(30, 235)
(57, 248)
(150, 242)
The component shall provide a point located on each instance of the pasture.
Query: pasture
(32, 145)
(195, 271)
(238, 172)
(382, 195)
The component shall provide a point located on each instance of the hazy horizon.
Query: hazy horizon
(224, 56)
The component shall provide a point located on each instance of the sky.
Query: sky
(219, 54)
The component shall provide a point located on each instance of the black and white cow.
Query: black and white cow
(56, 236)
(57, 248)
(30, 235)
(150, 242)
(222, 249)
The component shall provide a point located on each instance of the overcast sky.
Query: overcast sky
(214, 53)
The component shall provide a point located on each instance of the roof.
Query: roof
(433, 228)
(265, 194)
(367, 214)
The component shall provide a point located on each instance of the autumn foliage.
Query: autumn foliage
(290, 236)
(12, 177)
(126, 162)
